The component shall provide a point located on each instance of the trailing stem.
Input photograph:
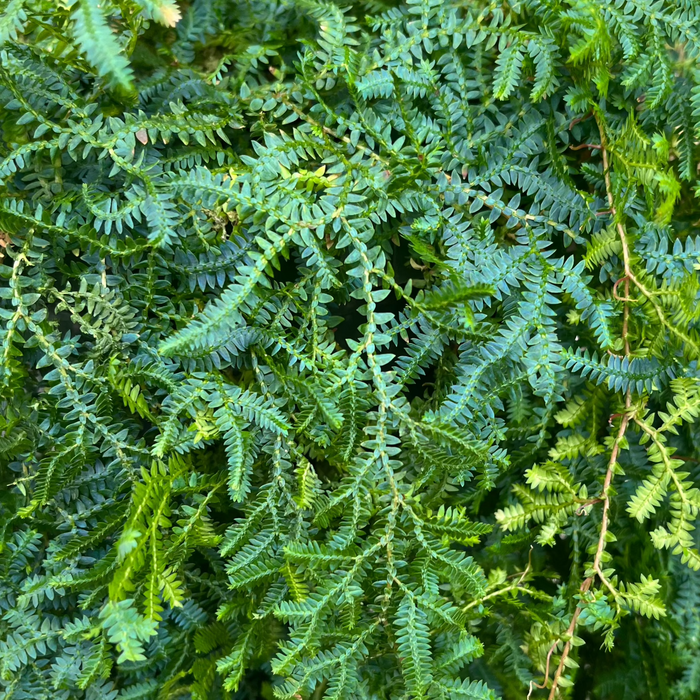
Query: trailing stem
(596, 568)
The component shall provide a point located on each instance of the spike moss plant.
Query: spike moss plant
(349, 351)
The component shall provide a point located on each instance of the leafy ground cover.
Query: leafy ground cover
(349, 351)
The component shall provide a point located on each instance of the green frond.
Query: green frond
(414, 646)
(97, 41)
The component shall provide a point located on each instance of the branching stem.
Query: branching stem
(596, 569)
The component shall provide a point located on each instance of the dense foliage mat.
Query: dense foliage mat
(349, 352)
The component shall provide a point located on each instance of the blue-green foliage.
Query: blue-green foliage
(348, 351)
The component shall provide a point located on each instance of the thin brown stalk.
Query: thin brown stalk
(593, 146)
(624, 422)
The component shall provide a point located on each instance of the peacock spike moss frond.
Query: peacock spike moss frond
(349, 351)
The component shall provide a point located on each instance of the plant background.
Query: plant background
(349, 351)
